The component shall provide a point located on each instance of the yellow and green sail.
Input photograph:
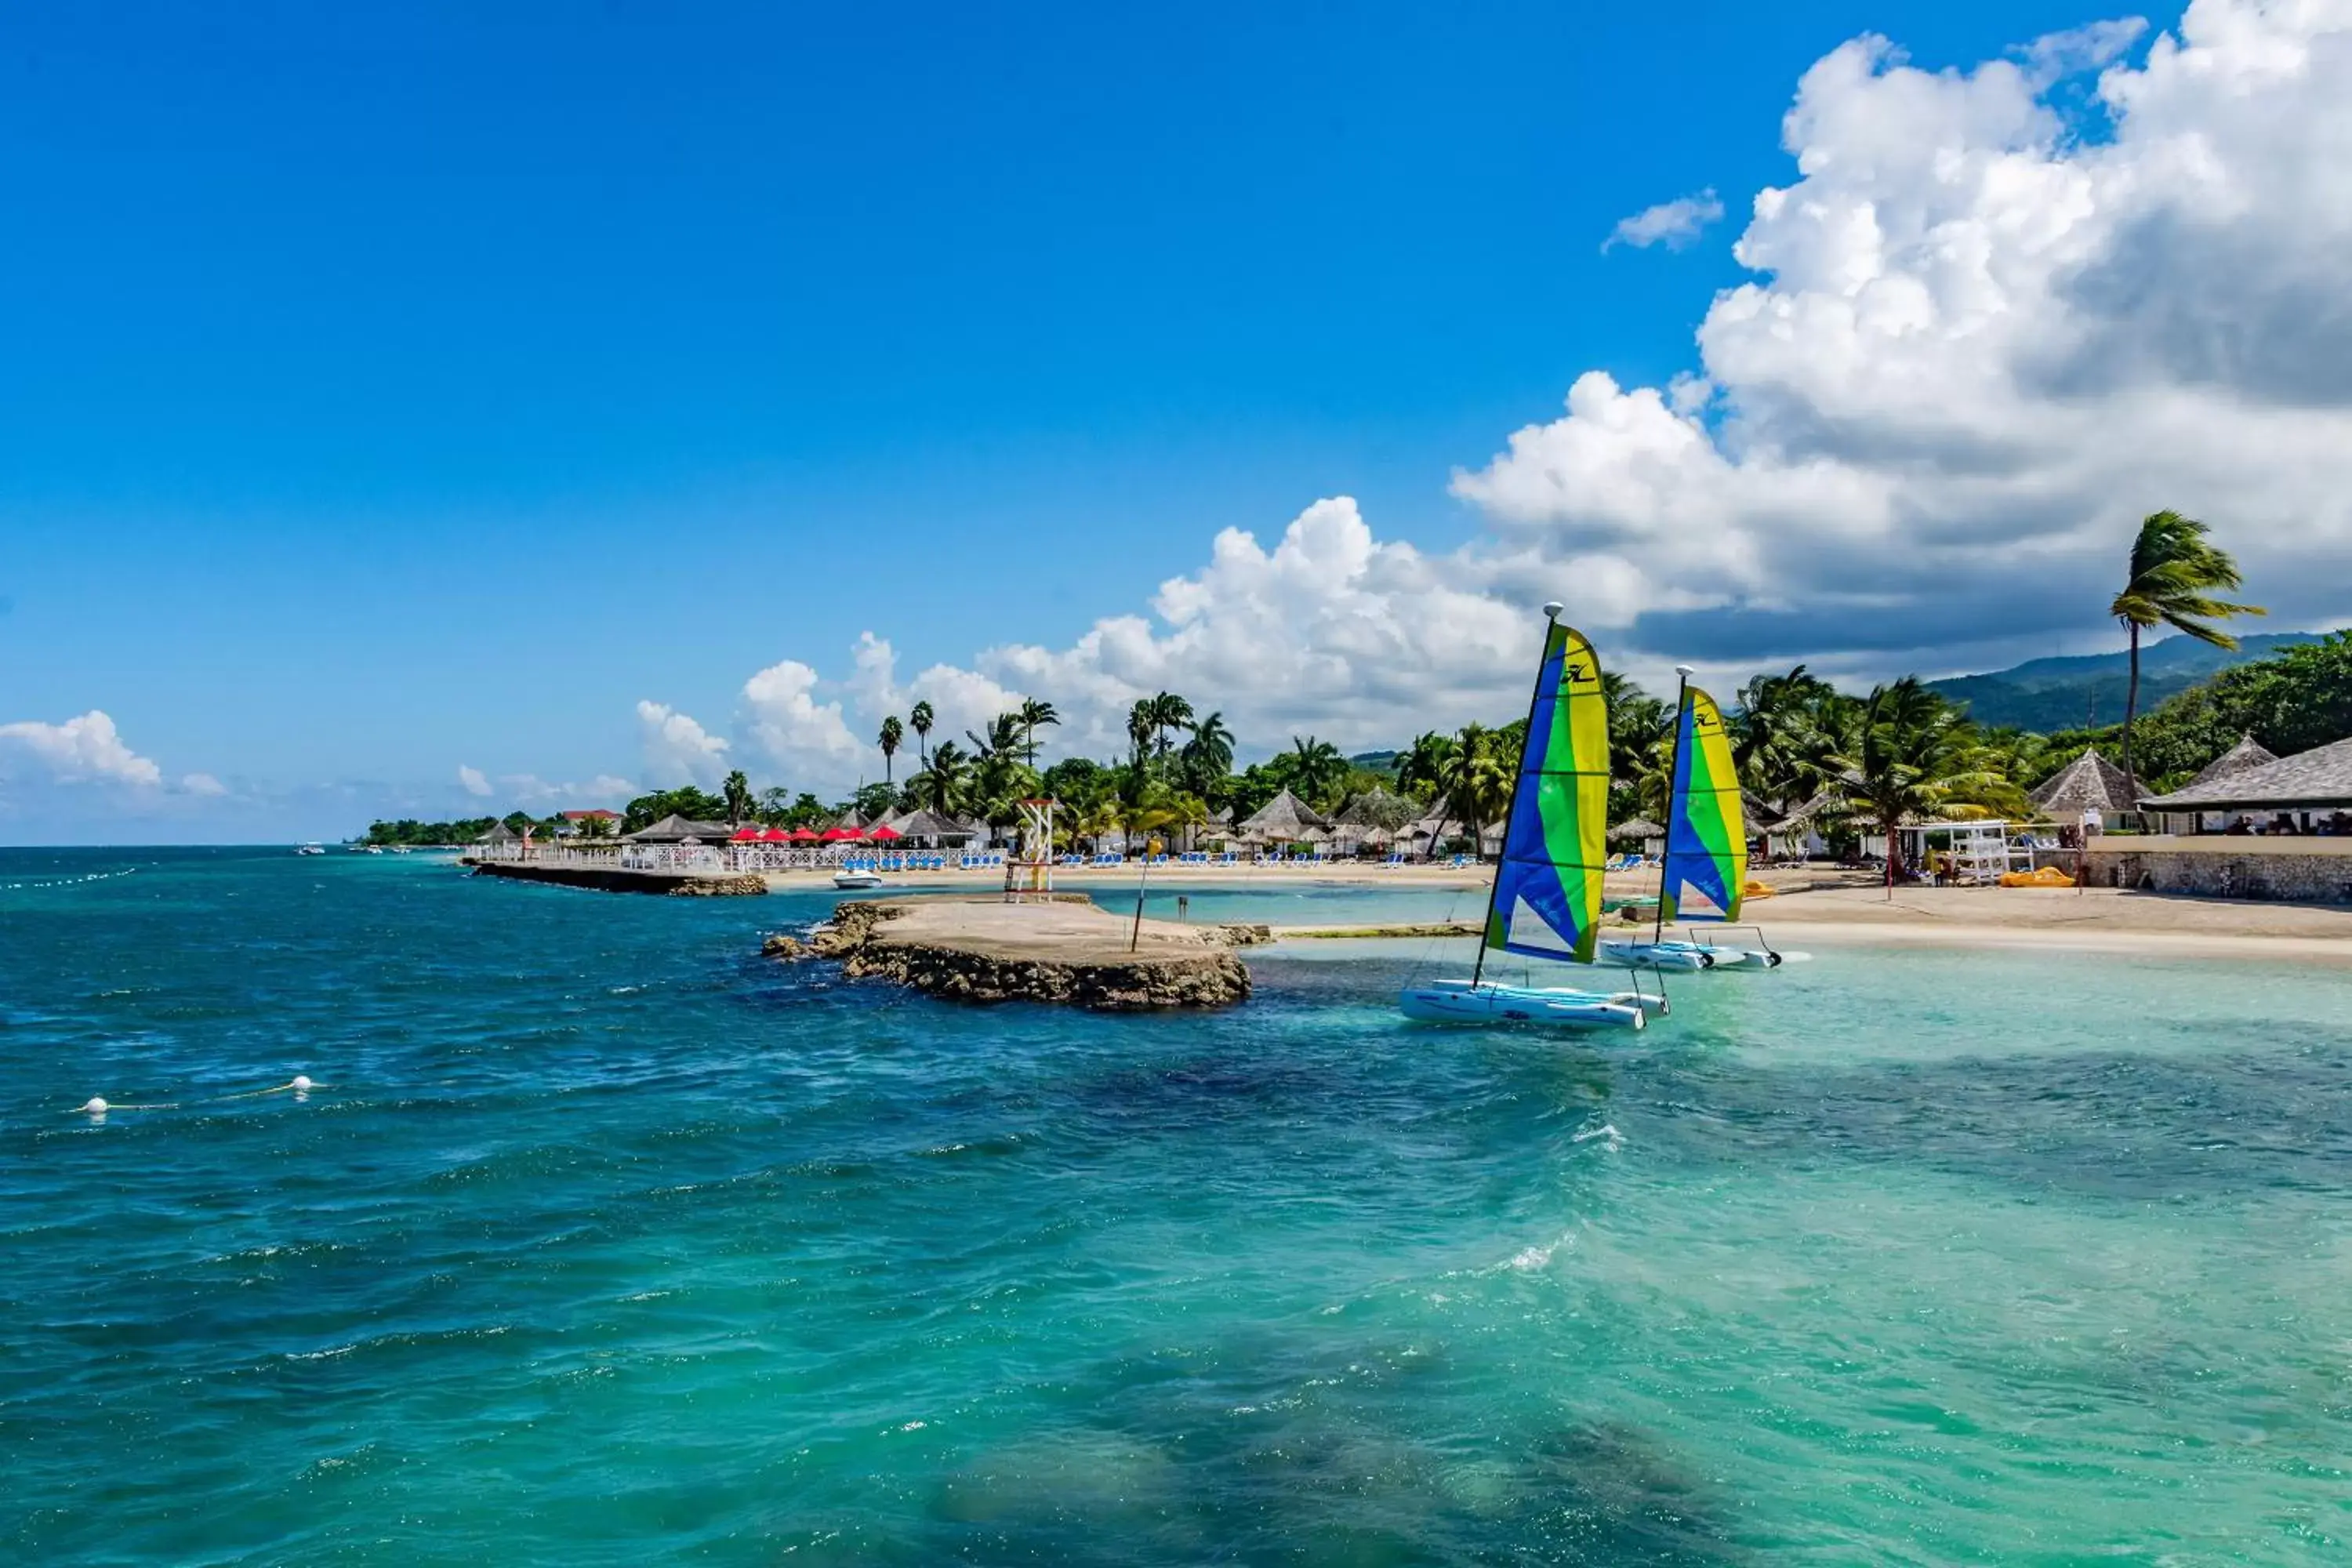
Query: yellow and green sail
(1707, 832)
(1546, 897)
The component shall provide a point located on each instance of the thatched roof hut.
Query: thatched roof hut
(2247, 754)
(1636, 827)
(499, 833)
(2089, 783)
(1285, 819)
(2320, 777)
(676, 830)
(930, 826)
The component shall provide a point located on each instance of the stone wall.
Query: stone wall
(2300, 871)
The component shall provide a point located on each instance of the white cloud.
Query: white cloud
(530, 789)
(1991, 322)
(1673, 224)
(201, 784)
(677, 750)
(473, 780)
(803, 738)
(86, 750)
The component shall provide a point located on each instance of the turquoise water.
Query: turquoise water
(605, 1243)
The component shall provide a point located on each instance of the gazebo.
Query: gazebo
(2089, 783)
(931, 829)
(1285, 819)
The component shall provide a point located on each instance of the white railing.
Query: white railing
(740, 857)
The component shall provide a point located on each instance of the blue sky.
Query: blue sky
(386, 388)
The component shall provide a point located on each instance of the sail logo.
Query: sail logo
(1578, 674)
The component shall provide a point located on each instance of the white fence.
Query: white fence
(727, 857)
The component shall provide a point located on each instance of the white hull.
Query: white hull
(1689, 957)
(1487, 1005)
(846, 880)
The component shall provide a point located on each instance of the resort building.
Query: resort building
(2308, 794)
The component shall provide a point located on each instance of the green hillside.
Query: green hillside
(2052, 694)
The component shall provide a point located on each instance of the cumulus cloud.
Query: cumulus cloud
(1996, 316)
(1982, 343)
(1673, 224)
(678, 751)
(473, 779)
(203, 785)
(87, 749)
(530, 789)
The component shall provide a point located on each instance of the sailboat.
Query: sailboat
(1545, 898)
(1707, 849)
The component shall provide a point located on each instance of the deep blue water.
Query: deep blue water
(602, 1241)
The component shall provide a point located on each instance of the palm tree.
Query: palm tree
(1422, 769)
(1318, 766)
(940, 786)
(892, 733)
(1775, 729)
(1169, 711)
(1033, 714)
(737, 793)
(1477, 782)
(919, 719)
(1138, 728)
(2173, 570)
(1913, 756)
(1208, 756)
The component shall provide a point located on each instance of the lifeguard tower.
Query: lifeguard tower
(1029, 869)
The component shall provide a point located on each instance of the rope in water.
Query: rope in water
(97, 1106)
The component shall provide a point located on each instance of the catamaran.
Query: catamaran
(1545, 898)
(1706, 850)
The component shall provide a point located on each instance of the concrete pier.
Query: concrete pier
(610, 878)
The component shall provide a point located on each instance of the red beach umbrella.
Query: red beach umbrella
(775, 835)
(745, 836)
(884, 833)
(838, 835)
(803, 835)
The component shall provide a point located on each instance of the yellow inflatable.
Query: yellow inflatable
(1756, 889)
(2048, 877)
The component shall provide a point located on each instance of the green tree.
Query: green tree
(1034, 714)
(1913, 757)
(1476, 780)
(921, 719)
(1169, 711)
(737, 792)
(944, 779)
(893, 732)
(2175, 571)
(1138, 729)
(1422, 769)
(1776, 734)
(1207, 757)
(1318, 768)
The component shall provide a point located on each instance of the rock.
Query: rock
(1238, 935)
(782, 946)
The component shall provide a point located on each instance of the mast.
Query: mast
(1682, 673)
(1535, 699)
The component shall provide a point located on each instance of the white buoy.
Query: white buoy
(301, 1084)
(96, 1107)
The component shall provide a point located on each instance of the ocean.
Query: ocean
(600, 1240)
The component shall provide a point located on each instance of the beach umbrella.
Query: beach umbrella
(838, 835)
(746, 836)
(775, 835)
(884, 833)
(803, 835)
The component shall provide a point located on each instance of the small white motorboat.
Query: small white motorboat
(1487, 1003)
(848, 881)
(310, 849)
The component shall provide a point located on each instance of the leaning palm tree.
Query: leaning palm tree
(2173, 571)
(737, 793)
(1033, 714)
(919, 719)
(1422, 769)
(892, 733)
(1169, 711)
(942, 784)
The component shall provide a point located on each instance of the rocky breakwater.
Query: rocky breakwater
(1064, 950)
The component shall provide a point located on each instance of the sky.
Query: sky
(406, 411)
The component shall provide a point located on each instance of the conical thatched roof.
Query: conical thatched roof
(1376, 807)
(2247, 754)
(2089, 783)
(2321, 777)
(930, 824)
(1286, 817)
(1637, 827)
(499, 833)
(676, 830)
